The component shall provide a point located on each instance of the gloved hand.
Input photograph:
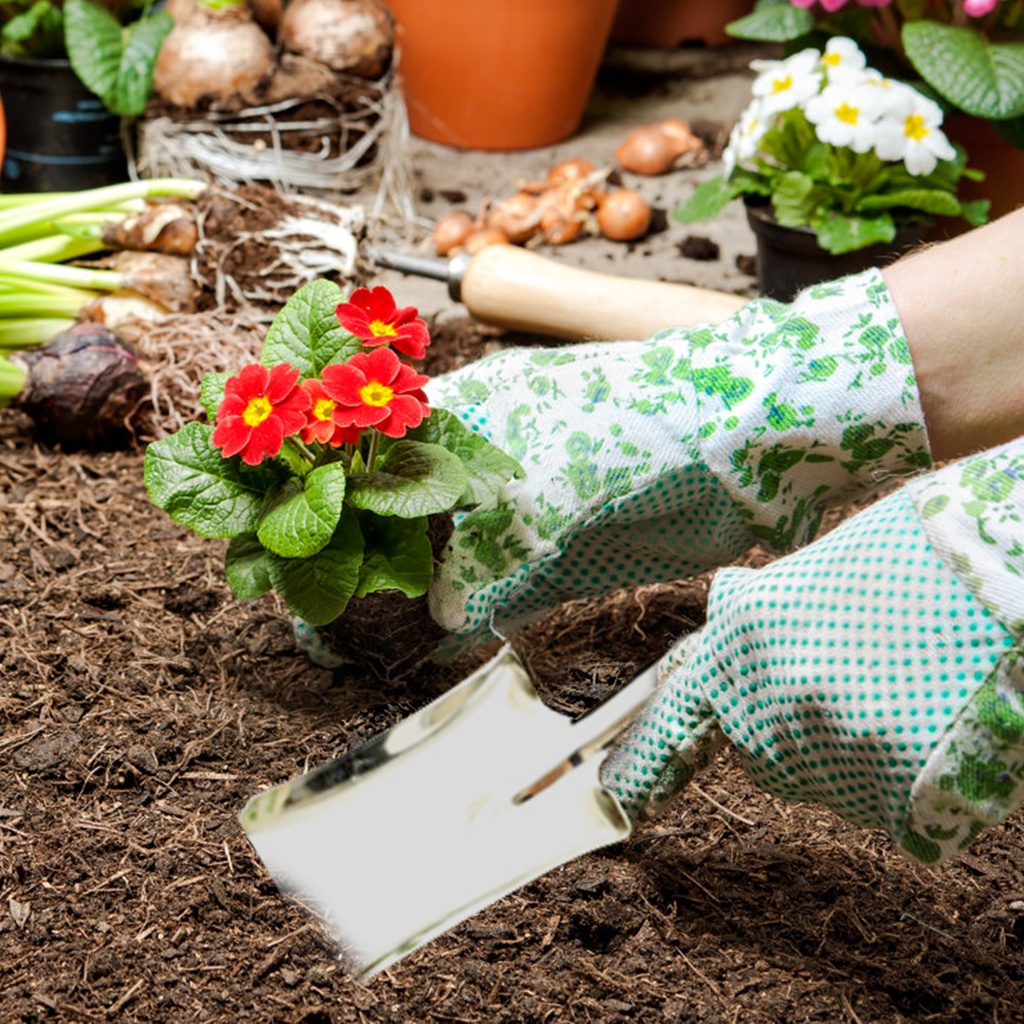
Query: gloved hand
(876, 671)
(660, 459)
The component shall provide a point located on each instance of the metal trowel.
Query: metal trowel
(473, 796)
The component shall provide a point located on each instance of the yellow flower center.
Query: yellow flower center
(847, 114)
(380, 329)
(322, 408)
(782, 84)
(915, 128)
(831, 58)
(257, 410)
(376, 394)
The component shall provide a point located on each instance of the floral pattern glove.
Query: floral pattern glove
(876, 671)
(660, 459)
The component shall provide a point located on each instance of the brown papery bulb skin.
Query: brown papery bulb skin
(623, 215)
(451, 231)
(353, 36)
(83, 387)
(211, 55)
(483, 237)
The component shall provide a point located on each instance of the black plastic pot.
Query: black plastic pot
(60, 137)
(790, 259)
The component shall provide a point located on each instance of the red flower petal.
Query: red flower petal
(261, 407)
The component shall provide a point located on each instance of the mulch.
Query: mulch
(142, 705)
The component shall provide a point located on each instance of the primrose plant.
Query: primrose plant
(832, 144)
(324, 462)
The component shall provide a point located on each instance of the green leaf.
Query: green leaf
(980, 77)
(839, 233)
(35, 32)
(114, 62)
(247, 567)
(318, 589)
(397, 556)
(196, 486)
(794, 200)
(773, 23)
(707, 200)
(299, 516)
(487, 467)
(211, 392)
(976, 211)
(413, 479)
(306, 332)
(929, 200)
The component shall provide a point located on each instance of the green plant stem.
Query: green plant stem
(13, 379)
(29, 332)
(371, 455)
(53, 249)
(297, 446)
(20, 305)
(49, 208)
(57, 273)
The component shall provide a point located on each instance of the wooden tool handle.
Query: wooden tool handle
(510, 287)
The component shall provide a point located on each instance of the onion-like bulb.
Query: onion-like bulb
(623, 215)
(212, 54)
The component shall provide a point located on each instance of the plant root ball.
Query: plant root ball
(211, 55)
(83, 387)
(352, 36)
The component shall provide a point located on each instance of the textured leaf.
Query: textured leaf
(397, 556)
(487, 467)
(412, 479)
(306, 332)
(980, 77)
(318, 589)
(839, 234)
(115, 63)
(707, 200)
(247, 567)
(211, 392)
(196, 486)
(299, 516)
(776, 23)
(927, 199)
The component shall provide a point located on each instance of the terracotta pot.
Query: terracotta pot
(667, 24)
(790, 259)
(499, 74)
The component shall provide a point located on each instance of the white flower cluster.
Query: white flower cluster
(849, 105)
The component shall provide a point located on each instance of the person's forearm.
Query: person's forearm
(961, 304)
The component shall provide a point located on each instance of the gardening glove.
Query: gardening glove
(877, 671)
(660, 459)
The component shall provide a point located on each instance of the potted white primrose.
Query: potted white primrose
(840, 168)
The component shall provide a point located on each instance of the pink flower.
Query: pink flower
(376, 389)
(979, 8)
(373, 317)
(261, 407)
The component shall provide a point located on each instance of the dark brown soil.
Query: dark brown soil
(142, 705)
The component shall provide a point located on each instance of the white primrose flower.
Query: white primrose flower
(842, 57)
(847, 113)
(745, 137)
(912, 132)
(784, 84)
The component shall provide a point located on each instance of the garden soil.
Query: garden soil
(142, 705)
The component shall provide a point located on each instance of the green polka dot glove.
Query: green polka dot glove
(660, 459)
(876, 671)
